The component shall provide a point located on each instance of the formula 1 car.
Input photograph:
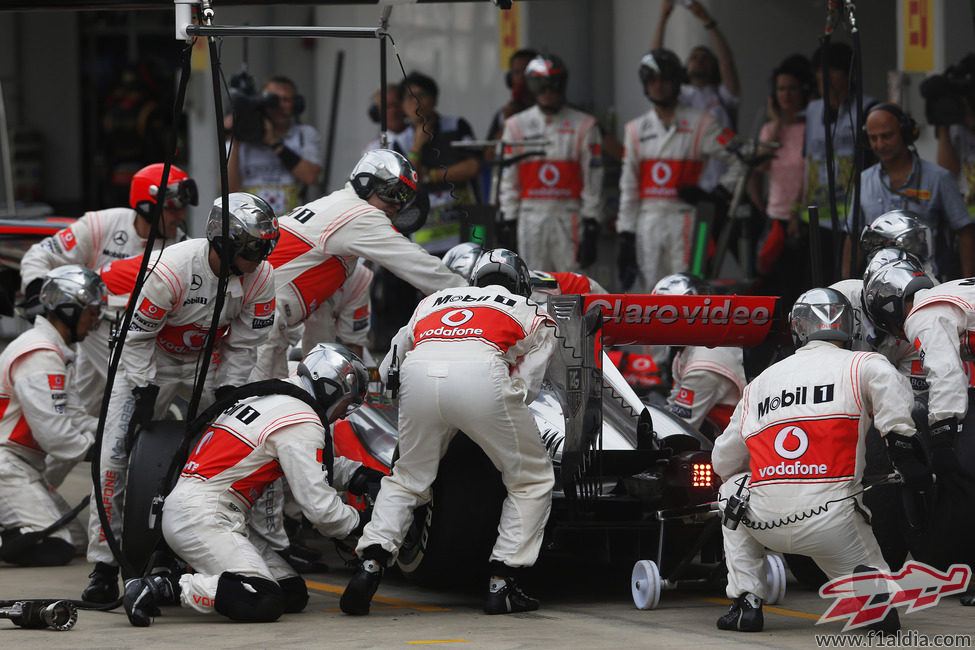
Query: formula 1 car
(626, 472)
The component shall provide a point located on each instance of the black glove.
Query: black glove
(918, 494)
(223, 391)
(941, 441)
(721, 196)
(588, 239)
(364, 517)
(906, 456)
(145, 404)
(626, 262)
(507, 234)
(31, 305)
(364, 481)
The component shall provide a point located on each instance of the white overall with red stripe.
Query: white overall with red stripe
(942, 327)
(96, 239)
(205, 519)
(707, 385)
(38, 417)
(318, 249)
(799, 434)
(471, 359)
(172, 317)
(550, 194)
(658, 160)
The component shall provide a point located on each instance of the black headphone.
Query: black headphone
(908, 127)
(298, 101)
(373, 113)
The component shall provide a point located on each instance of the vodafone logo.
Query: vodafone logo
(791, 443)
(194, 339)
(548, 174)
(661, 173)
(456, 317)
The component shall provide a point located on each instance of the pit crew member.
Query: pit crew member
(664, 150)
(104, 236)
(554, 198)
(172, 318)
(796, 443)
(321, 242)
(38, 418)
(707, 381)
(251, 444)
(471, 359)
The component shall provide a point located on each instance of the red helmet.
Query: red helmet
(180, 189)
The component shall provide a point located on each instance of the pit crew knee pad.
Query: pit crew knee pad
(295, 594)
(29, 550)
(248, 599)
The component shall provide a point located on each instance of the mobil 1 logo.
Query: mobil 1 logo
(798, 396)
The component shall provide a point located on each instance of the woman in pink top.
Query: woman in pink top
(791, 88)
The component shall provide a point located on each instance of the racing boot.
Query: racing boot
(744, 615)
(103, 587)
(143, 596)
(506, 597)
(891, 622)
(365, 581)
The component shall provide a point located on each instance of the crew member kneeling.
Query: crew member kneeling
(796, 442)
(475, 358)
(37, 420)
(246, 448)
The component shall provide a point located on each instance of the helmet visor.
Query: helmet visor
(398, 193)
(178, 195)
(256, 250)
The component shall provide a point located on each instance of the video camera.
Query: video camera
(945, 94)
(248, 107)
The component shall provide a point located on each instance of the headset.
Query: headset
(908, 127)
(373, 113)
(298, 102)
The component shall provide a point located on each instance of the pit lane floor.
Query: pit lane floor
(582, 607)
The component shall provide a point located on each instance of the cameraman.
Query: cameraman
(951, 107)
(279, 166)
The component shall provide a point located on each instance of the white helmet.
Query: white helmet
(461, 258)
(69, 290)
(253, 228)
(901, 229)
(388, 175)
(821, 314)
(336, 378)
(887, 291)
(680, 284)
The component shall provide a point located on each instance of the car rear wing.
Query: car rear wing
(586, 322)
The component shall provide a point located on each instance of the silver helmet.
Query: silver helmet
(386, 174)
(502, 267)
(889, 289)
(680, 284)
(252, 227)
(69, 290)
(883, 256)
(546, 71)
(461, 258)
(336, 378)
(901, 229)
(821, 314)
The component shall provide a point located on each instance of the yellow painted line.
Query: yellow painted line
(765, 608)
(439, 641)
(385, 600)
